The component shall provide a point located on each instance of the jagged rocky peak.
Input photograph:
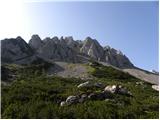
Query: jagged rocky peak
(47, 39)
(35, 42)
(92, 48)
(57, 50)
(55, 39)
(68, 40)
(14, 49)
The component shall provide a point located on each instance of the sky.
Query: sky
(129, 26)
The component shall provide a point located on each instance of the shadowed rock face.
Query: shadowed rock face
(14, 49)
(63, 49)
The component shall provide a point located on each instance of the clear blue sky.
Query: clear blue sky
(131, 27)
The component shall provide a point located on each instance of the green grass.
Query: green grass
(35, 95)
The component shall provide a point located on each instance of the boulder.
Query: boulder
(63, 103)
(155, 87)
(99, 85)
(93, 96)
(110, 100)
(118, 89)
(99, 96)
(139, 83)
(83, 97)
(111, 89)
(85, 84)
(90, 84)
(124, 91)
(71, 100)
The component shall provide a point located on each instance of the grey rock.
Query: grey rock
(54, 50)
(35, 42)
(92, 48)
(99, 96)
(71, 100)
(85, 84)
(110, 88)
(116, 58)
(63, 103)
(118, 89)
(155, 87)
(139, 83)
(83, 97)
(99, 85)
(14, 49)
(123, 91)
(93, 96)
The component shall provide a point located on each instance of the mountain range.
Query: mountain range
(17, 51)
(63, 49)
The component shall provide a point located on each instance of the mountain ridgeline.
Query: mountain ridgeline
(16, 50)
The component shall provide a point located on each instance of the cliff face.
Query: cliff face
(63, 49)
(14, 49)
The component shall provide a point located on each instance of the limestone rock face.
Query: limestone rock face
(35, 42)
(57, 50)
(72, 44)
(14, 49)
(92, 48)
(116, 58)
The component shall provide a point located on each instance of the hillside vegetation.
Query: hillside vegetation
(34, 94)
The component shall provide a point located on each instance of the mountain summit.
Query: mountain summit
(64, 49)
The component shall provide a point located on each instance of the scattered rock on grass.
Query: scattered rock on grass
(71, 100)
(117, 89)
(85, 84)
(111, 89)
(63, 103)
(155, 87)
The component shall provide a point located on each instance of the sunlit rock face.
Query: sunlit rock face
(116, 58)
(62, 49)
(57, 51)
(92, 48)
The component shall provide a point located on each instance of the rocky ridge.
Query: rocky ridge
(64, 49)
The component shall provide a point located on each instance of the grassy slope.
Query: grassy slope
(35, 95)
